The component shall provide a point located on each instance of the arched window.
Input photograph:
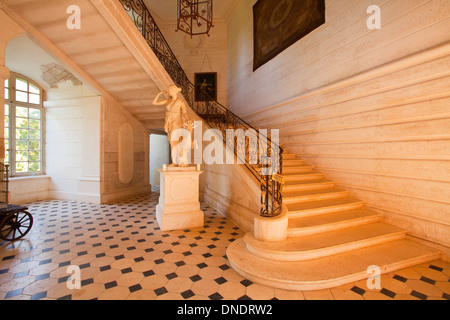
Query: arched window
(24, 126)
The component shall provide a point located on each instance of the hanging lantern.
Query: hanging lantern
(195, 17)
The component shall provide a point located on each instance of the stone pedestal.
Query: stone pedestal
(179, 205)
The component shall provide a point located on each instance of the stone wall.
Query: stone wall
(124, 153)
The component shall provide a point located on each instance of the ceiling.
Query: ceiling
(167, 10)
(25, 57)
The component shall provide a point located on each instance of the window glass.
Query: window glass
(6, 89)
(35, 113)
(21, 96)
(21, 167)
(21, 134)
(6, 134)
(21, 123)
(23, 126)
(21, 84)
(34, 98)
(34, 89)
(34, 156)
(22, 145)
(34, 167)
(21, 156)
(34, 145)
(34, 124)
(35, 134)
(22, 112)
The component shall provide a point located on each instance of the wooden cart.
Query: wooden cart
(15, 220)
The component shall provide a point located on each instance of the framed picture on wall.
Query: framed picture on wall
(206, 86)
(278, 24)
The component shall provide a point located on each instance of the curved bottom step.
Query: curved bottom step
(300, 227)
(328, 272)
(324, 244)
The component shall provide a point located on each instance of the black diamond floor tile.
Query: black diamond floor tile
(122, 254)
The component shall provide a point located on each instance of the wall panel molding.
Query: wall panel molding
(386, 69)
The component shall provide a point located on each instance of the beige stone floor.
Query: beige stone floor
(122, 254)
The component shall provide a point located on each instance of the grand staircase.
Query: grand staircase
(332, 240)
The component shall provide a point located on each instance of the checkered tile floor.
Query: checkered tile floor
(122, 254)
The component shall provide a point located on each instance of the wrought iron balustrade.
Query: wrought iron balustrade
(216, 115)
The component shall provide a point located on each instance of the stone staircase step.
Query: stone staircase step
(332, 239)
(325, 244)
(308, 185)
(299, 227)
(331, 271)
(294, 197)
(293, 163)
(289, 156)
(313, 208)
(297, 170)
(303, 177)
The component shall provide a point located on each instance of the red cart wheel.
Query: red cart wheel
(16, 226)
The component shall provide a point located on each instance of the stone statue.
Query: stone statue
(176, 118)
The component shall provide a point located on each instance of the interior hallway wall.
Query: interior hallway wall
(71, 133)
(73, 148)
(201, 53)
(124, 153)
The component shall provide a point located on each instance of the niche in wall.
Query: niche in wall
(126, 153)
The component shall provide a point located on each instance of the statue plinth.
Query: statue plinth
(179, 205)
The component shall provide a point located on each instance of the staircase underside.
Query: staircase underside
(97, 54)
(332, 240)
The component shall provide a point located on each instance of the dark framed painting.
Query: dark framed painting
(278, 24)
(206, 86)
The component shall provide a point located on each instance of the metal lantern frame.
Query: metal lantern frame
(195, 17)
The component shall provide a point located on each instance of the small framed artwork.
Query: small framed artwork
(206, 86)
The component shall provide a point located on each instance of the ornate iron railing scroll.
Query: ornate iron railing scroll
(268, 172)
